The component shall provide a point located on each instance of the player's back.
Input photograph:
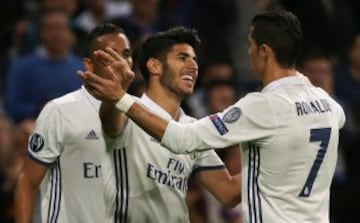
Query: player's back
(288, 174)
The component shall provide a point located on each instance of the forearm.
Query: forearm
(178, 138)
(112, 119)
(24, 199)
(225, 188)
(152, 124)
(230, 194)
(235, 188)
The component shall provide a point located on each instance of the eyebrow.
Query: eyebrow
(187, 55)
(126, 50)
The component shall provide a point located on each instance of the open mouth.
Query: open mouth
(188, 78)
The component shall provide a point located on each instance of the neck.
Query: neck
(276, 72)
(166, 100)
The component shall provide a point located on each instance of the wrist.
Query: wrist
(124, 103)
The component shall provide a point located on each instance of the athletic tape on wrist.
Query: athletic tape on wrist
(125, 103)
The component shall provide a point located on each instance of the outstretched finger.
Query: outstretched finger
(82, 75)
(85, 75)
(104, 58)
(114, 54)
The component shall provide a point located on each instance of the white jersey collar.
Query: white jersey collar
(93, 101)
(292, 80)
(150, 104)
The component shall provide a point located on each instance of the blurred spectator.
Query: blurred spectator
(347, 89)
(220, 93)
(355, 7)
(333, 24)
(99, 11)
(13, 144)
(44, 74)
(12, 11)
(144, 20)
(94, 13)
(317, 65)
(212, 18)
(25, 36)
(347, 79)
(213, 69)
(6, 184)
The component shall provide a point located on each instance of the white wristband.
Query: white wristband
(125, 103)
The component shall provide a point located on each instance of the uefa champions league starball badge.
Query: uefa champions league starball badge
(36, 142)
(232, 115)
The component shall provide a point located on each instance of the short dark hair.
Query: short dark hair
(281, 30)
(158, 45)
(101, 30)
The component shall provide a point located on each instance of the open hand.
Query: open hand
(105, 89)
(114, 64)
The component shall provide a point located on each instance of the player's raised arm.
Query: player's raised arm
(236, 124)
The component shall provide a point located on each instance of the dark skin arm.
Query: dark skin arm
(26, 187)
(226, 188)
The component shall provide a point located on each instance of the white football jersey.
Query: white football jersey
(289, 136)
(68, 139)
(145, 182)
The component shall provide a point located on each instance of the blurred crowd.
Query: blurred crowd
(42, 43)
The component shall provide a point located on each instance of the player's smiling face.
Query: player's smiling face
(180, 71)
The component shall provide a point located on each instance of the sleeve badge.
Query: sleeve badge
(232, 115)
(36, 142)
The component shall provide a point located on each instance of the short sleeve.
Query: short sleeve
(207, 160)
(342, 116)
(46, 143)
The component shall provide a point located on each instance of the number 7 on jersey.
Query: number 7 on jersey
(322, 136)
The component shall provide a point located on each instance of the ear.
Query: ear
(262, 50)
(265, 51)
(89, 66)
(154, 66)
